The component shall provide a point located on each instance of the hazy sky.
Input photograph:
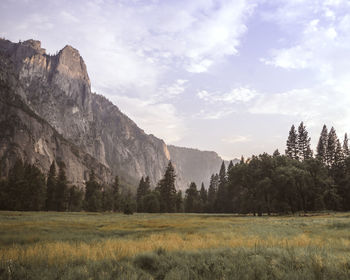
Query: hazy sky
(229, 76)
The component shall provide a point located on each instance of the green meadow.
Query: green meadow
(51, 245)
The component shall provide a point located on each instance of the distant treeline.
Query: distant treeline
(296, 181)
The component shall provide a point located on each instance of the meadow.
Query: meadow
(51, 245)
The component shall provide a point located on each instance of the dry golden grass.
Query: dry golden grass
(60, 238)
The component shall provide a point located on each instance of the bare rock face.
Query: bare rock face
(83, 129)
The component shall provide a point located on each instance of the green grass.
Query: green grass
(37, 245)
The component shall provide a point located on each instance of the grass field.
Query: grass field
(173, 246)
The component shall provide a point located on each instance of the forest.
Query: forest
(298, 180)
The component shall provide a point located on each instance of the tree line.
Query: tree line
(295, 181)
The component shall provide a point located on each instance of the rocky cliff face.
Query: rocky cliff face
(83, 129)
(194, 165)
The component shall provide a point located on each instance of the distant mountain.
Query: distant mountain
(48, 112)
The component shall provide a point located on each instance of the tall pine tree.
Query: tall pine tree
(51, 188)
(167, 190)
(304, 149)
(222, 193)
(61, 193)
(321, 150)
(331, 147)
(292, 150)
(346, 150)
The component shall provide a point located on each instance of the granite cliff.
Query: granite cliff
(49, 112)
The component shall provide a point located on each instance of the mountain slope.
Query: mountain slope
(57, 90)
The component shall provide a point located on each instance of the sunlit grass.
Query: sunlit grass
(65, 238)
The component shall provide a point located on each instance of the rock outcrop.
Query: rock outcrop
(60, 118)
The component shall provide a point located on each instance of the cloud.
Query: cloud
(161, 120)
(236, 139)
(213, 114)
(323, 39)
(236, 95)
(173, 90)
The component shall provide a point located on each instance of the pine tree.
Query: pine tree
(304, 140)
(51, 188)
(139, 195)
(116, 194)
(292, 144)
(192, 203)
(61, 192)
(167, 190)
(221, 193)
(93, 194)
(338, 155)
(230, 165)
(179, 202)
(203, 194)
(331, 147)
(346, 150)
(276, 153)
(212, 190)
(321, 150)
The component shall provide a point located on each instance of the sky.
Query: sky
(228, 76)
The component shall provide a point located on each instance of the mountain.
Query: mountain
(48, 112)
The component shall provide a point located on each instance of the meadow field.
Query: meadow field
(50, 245)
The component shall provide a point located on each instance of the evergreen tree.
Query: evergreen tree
(61, 192)
(116, 194)
(203, 194)
(179, 202)
(75, 199)
(276, 153)
(192, 202)
(212, 192)
(331, 147)
(321, 150)
(51, 188)
(230, 165)
(93, 194)
(304, 149)
(140, 194)
(292, 144)
(151, 202)
(143, 189)
(221, 200)
(346, 150)
(167, 190)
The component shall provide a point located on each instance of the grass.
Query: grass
(37, 245)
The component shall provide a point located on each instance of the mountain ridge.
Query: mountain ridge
(57, 88)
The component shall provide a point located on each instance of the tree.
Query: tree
(212, 192)
(292, 144)
(179, 202)
(167, 190)
(331, 147)
(151, 202)
(203, 194)
(230, 165)
(221, 200)
(61, 192)
(321, 150)
(93, 194)
(75, 199)
(143, 189)
(116, 194)
(192, 202)
(346, 150)
(304, 149)
(51, 188)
